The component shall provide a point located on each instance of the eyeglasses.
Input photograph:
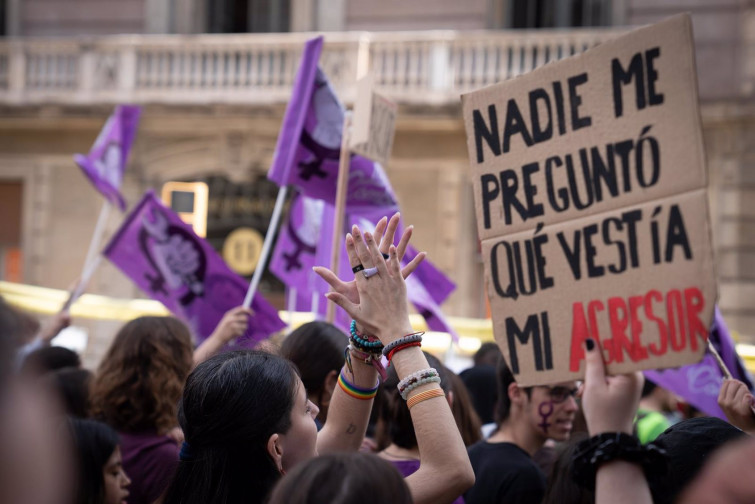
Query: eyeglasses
(561, 394)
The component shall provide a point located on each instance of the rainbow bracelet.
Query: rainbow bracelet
(357, 392)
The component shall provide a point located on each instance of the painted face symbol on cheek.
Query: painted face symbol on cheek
(545, 409)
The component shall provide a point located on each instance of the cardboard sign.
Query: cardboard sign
(590, 192)
(374, 123)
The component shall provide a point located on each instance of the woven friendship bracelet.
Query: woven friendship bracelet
(372, 359)
(424, 396)
(402, 347)
(416, 379)
(409, 338)
(354, 391)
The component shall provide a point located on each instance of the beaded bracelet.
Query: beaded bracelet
(357, 392)
(368, 344)
(409, 338)
(372, 359)
(424, 396)
(414, 380)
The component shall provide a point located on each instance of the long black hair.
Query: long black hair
(231, 405)
(94, 443)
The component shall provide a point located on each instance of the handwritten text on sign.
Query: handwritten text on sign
(590, 190)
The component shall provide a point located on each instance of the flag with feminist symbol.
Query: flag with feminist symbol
(106, 162)
(165, 258)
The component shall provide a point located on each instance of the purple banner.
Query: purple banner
(699, 384)
(309, 145)
(165, 258)
(106, 161)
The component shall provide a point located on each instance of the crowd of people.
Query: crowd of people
(322, 419)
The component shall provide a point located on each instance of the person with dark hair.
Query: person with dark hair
(71, 386)
(316, 348)
(527, 417)
(480, 381)
(100, 478)
(342, 478)
(562, 489)
(487, 355)
(136, 391)
(49, 358)
(247, 419)
(464, 412)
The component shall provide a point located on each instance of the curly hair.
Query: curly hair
(141, 377)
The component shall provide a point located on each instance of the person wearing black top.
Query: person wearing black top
(527, 417)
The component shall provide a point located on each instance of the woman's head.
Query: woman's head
(140, 379)
(393, 409)
(100, 477)
(317, 350)
(340, 479)
(246, 420)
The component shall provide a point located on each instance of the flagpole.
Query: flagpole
(343, 182)
(267, 245)
(92, 260)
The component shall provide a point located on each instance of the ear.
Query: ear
(516, 394)
(450, 398)
(275, 450)
(329, 386)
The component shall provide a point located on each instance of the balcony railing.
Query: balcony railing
(411, 67)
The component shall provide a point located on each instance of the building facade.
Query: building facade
(214, 78)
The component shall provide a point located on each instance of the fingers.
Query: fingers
(595, 370)
(394, 263)
(404, 242)
(351, 251)
(344, 303)
(374, 252)
(390, 233)
(364, 255)
(330, 278)
(409, 268)
(379, 230)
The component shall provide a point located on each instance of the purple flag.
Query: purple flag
(167, 260)
(106, 161)
(309, 145)
(296, 249)
(699, 384)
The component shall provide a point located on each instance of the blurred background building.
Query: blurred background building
(215, 75)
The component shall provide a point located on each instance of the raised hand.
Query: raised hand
(385, 232)
(736, 402)
(381, 308)
(609, 402)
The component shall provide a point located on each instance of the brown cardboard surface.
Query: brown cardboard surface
(374, 123)
(643, 237)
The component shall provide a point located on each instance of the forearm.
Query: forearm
(348, 416)
(445, 471)
(209, 347)
(620, 482)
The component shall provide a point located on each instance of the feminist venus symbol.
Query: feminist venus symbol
(545, 414)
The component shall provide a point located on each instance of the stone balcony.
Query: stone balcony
(422, 68)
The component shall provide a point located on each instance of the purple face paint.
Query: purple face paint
(545, 409)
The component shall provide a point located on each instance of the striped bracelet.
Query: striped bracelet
(357, 392)
(424, 396)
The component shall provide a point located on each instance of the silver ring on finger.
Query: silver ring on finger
(368, 272)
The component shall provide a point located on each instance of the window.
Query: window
(248, 16)
(557, 13)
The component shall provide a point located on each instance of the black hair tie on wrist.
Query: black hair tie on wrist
(592, 453)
